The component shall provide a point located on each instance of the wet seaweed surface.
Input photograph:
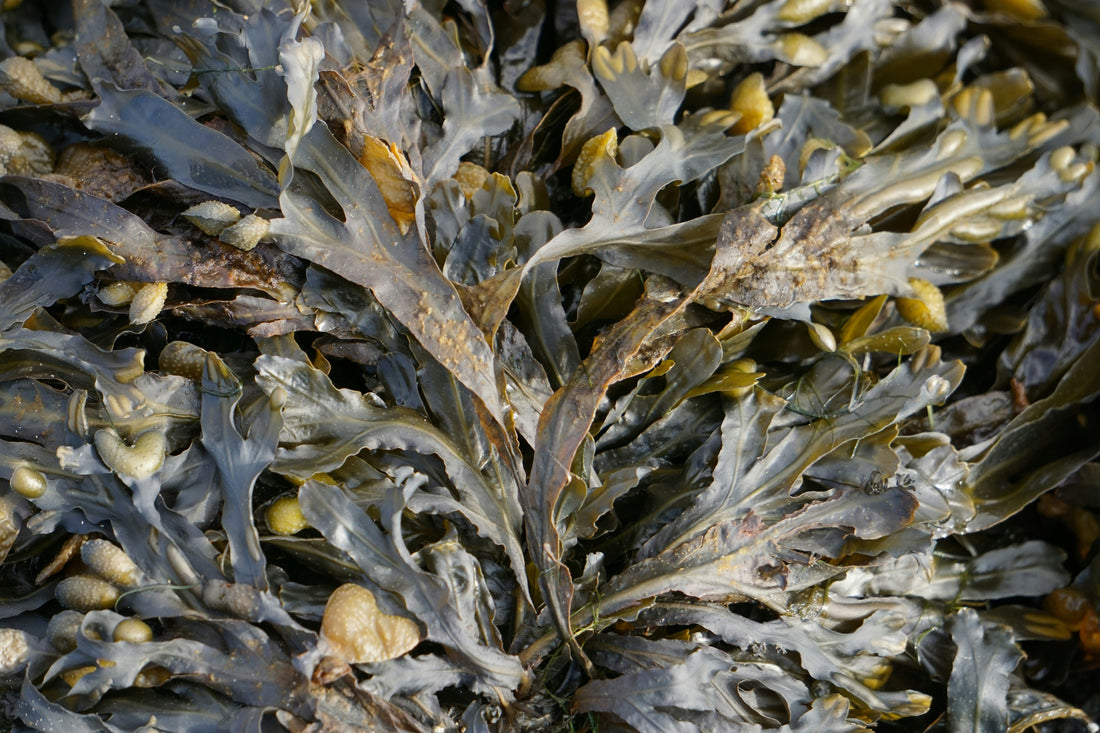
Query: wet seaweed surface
(659, 365)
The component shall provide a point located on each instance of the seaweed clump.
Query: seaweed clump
(668, 365)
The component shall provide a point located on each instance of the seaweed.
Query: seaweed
(655, 366)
